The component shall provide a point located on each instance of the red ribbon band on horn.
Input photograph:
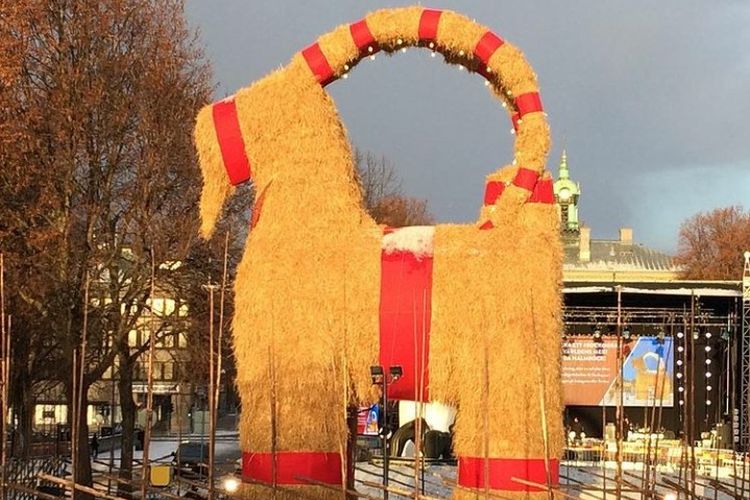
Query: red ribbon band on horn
(231, 144)
(291, 467)
(428, 25)
(503, 470)
(527, 103)
(543, 192)
(514, 118)
(492, 192)
(318, 64)
(487, 46)
(526, 179)
(362, 37)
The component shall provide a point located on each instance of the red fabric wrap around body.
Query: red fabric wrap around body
(318, 64)
(503, 470)
(231, 144)
(292, 467)
(362, 37)
(527, 103)
(405, 321)
(428, 25)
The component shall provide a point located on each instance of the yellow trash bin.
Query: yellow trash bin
(161, 475)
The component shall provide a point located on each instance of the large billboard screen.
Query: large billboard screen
(590, 372)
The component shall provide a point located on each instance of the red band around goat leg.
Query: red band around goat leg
(502, 471)
(292, 467)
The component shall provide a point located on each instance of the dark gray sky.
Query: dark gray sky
(650, 98)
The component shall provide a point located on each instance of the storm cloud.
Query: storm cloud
(651, 100)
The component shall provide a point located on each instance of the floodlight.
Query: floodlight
(231, 484)
(376, 372)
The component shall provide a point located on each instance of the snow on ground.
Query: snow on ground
(583, 482)
(577, 482)
(227, 452)
(437, 479)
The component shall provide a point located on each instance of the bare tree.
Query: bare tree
(711, 244)
(383, 196)
(400, 211)
(99, 175)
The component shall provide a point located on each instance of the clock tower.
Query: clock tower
(567, 193)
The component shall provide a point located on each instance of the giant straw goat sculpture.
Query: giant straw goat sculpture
(471, 312)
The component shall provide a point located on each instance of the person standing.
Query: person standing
(94, 446)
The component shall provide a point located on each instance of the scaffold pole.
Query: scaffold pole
(745, 342)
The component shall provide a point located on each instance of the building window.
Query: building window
(168, 371)
(167, 340)
(168, 307)
(157, 306)
(133, 338)
(141, 371)
(182, 341)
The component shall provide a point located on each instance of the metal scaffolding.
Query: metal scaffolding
(745, 394)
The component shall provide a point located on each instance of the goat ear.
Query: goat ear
(222, 158)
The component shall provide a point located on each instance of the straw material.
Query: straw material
(215, 186)
(308, 286)
(286, 492)
(467, 494)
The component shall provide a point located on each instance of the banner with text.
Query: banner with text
(590, 372)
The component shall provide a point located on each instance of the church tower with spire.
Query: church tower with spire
(567, 193)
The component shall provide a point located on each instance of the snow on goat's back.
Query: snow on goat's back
(417, 240)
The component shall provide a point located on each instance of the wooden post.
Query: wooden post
(272, 379)
(145, 462)
(620, 400)
(80, 411)
(73, 421)
(542, 402)
(691, 409)
(217, 383)
(211, 387)
(5, 394)
(421, 389)
(179, 432)
(417, 400)
(486, 408)
(112, 425)
(604, 452)
(4, 380)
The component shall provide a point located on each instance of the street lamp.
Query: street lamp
(379, 378)
(231, 484)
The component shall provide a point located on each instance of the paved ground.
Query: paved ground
(578, 482)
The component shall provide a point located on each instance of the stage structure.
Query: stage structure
(692, 327)
(470, 313)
